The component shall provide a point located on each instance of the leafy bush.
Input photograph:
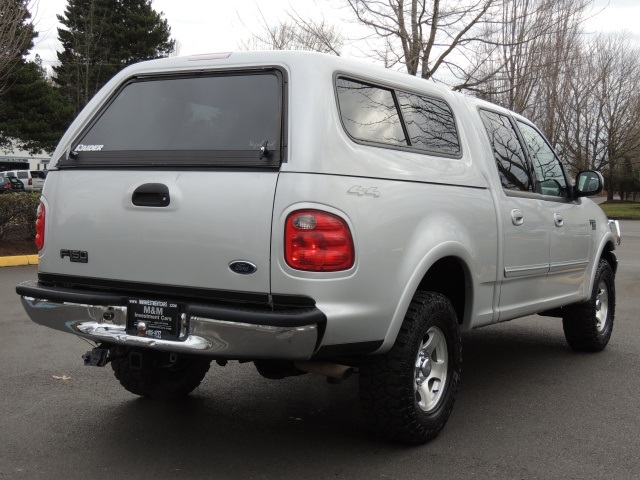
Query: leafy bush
(18, 215)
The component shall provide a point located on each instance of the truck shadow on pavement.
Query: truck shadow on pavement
(239, 423)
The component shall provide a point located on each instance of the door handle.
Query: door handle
(517, 217)
(557, 218)
(151, 195)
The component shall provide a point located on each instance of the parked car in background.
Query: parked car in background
(33, 180)
(10, 184)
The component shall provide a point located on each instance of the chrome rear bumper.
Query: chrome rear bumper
(291, 335)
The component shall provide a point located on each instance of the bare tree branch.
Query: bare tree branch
(296, 33)
(16, 35)
(429, 33)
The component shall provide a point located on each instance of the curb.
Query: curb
(19, 261)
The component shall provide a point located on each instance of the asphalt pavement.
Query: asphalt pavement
(528, 408)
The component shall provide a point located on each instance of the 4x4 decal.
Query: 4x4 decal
(362, 191)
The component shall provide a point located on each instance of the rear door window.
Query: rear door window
(231, 119)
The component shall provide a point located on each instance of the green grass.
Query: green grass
(622, 210)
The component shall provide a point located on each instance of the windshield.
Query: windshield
(232, 119)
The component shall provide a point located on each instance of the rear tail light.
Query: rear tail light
(31, 181)
(40, 221)
(318, 241)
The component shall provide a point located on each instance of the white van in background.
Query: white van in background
(33, 180)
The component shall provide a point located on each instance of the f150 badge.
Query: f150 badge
(75, 256)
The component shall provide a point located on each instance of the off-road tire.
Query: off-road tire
(587, 327)
(152, 374)
(388, 391)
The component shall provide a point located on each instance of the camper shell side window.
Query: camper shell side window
(388, 117)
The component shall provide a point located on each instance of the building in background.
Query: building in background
(16, 159)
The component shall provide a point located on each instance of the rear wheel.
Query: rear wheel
(407, 394)
(588, 325)
(160, 375)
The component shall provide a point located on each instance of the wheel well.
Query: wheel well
(447, 276)
(609, 256)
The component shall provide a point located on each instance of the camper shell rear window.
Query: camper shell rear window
(223, 119)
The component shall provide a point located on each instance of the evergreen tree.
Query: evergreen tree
(100, 38)
(33, 113)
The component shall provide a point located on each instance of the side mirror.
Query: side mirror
(588, 183)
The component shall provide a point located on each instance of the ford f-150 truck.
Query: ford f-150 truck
(311, 214)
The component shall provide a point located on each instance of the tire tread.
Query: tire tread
(386, 381)
(578, 321)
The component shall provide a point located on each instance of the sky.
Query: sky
(206, 26)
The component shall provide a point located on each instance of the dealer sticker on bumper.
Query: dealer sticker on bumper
(154, 318)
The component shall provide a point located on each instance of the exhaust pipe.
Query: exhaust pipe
(333, 371)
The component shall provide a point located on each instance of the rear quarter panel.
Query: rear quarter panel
(397, 237)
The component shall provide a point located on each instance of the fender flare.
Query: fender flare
(449, 249)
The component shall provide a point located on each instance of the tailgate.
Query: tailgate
(211, 220)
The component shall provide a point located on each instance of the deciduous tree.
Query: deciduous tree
(618, 102)
(296, 33)
(16, 36)
(427, 36)
(537, 42)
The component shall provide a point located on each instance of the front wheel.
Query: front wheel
(588, 325)
(407, 394)
(160, 375)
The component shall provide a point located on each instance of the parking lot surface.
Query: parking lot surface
(528, 407)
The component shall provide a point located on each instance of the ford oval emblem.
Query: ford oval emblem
(242, 268)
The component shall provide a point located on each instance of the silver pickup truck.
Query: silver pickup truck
(311, 214)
